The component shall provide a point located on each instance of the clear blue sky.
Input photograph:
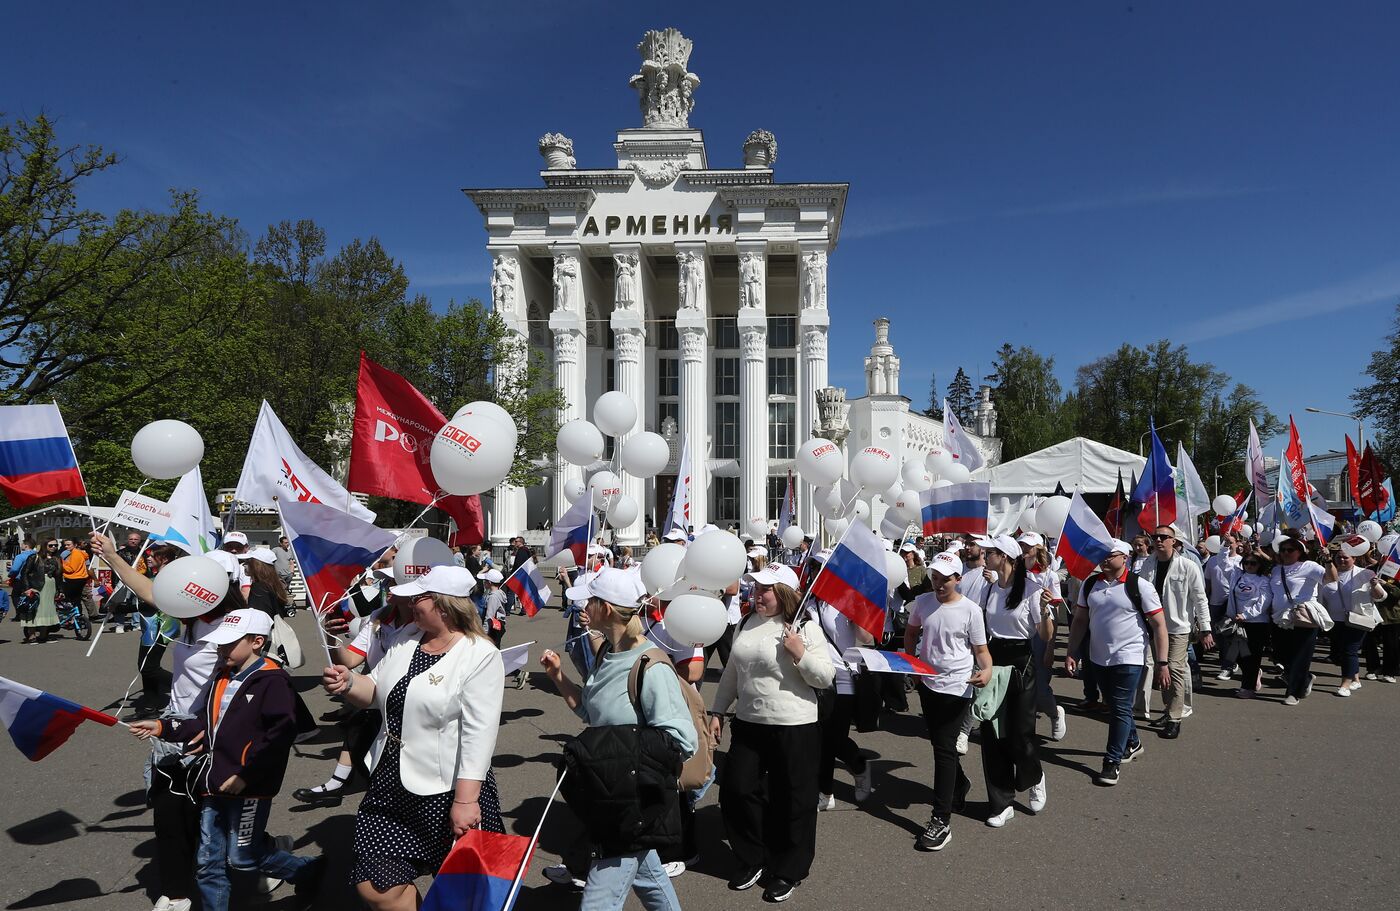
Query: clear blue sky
(1064, 175)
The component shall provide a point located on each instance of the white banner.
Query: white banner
(145, 514)
(276, 467)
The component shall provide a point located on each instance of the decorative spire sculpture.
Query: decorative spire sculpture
(666, 89)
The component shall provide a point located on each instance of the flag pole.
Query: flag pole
(808, 593)
(530, 848)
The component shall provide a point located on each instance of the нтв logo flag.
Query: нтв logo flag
(1084, 541)
(889, 662)
(276, 467)
(41, 722)
(394, 429)
(1155, 491)
(37, 464)
(853, 580)
(479, 873)
(191, 524)
(333, 548)
(679, 520)
(955, 440)
(528, 584)
(572, 531)
(957, 509)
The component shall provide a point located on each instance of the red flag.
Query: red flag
(1370, 475)
(1113, 519)
(1296, 467)
(1353, 471)
(393, 436)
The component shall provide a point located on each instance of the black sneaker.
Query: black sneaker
(936, 836)
(1171, 730)
(745, 878)
(1109, 776)
(779, 890)
(1134, 751)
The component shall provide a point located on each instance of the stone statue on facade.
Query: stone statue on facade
(565, 281)
(692, 279)
(503, 284)
(750, 280)
(625, 281)
(665, 89)
(814, 280)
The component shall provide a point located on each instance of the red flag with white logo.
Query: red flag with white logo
(394, 429)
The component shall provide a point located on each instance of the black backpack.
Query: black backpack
(1134, 593)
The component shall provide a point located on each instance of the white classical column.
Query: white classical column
(629, 378)
(508, 511)
(753, 381)
(813, 322)
(570, 356)
(692, 326)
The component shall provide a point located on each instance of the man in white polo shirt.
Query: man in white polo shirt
(1118, 624)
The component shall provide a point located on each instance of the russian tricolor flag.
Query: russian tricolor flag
(528, 584)
(1084, 541)
(41, 722)
(37, 464)
(1155, 491)
(479, 873)
(956, 509)
(572, 531)
(332, 547)
(889, 662)
(853, 580)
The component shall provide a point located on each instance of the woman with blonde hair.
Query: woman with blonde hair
(440, 691)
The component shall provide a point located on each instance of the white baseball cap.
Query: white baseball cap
(1031, 538)
(235, 537)
(615, 586)
(774, 575)
(1121, 547)
(907, 547)
(493, 576)
(674, 534)
(1006, 544)
(946, 564)
(261, 554)
(239, 623)
(440, 580)
(758, 552)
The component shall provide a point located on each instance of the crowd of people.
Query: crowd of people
(417, 667)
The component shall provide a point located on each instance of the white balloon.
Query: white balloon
(190, 587)
(1004, 504)
(1224, 505)
(907, 508)
(615, 413)
(1386, 543)
(418, 555)
(605, 487)
(792, 537)
(645, 454)
(661, 566)
(1027, 520)
(874, 468)
(695, 618)
(820, 462)
(830, 505)
(579, 442)
(896, 570)
(891, 527)
(166, 449)
(471, 454)
(1246, 531)
(490, 410)
(1050, 516)
(956, 474)
(860, 510)
(916, 476)
(573, 489)
(623, 511)
(1370, 530)
(1212, 543)
(757, 528)
(715, 561)
(837, 527)
(938, 460)
(892, 493)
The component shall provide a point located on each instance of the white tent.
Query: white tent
(1093, 467)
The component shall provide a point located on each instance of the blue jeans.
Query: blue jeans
(233, 836)
(1120, 683)
(1348, 639)
(609, 878)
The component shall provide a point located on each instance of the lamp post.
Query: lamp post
(1217, 475)
(1360, 443)
(1143, 437)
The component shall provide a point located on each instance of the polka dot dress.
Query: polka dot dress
(399, 835)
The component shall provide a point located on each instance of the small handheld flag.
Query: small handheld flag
(1155, 491)
(874, 659)
(1084, 542)
(527, 582)
(41, 722)
(959, 509)
(37, 463)
(959, 446)
(516, 657)
(853, 579)
(479, 873)
(332, 547)
(573, 531)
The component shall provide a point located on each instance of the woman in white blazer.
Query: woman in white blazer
(440, 693)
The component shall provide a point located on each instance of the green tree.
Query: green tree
(1376, 400)
(1030, 410)
(961, 399)
(935, 401)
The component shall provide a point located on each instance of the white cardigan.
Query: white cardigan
(451, 713)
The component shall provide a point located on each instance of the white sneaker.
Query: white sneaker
(1307, 691)
(1386, 678)
(1370, 676)
(269, 884)
(865, 783)
(118, 630)
(560, 876)
(674, 868)
(826, 802)
(1290, 700)
(1002, 818)
(1038, 795)
(165, 903)
(1223, 675)
(1058, 727)
(1187, 711)
(1343, 690)
(1355, 684)
(961, 745)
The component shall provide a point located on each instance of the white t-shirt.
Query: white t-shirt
(1218, 571)
(840, 635)
(1005, 621)
(192, 663)
(1117, 629)
(731, 609)
(1251, 595)
(1292, 585)
(947, 633)
(374, 639)
(972, 583)
(1351, 588)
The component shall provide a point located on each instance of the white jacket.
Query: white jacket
(1183, 594)
(451, 713)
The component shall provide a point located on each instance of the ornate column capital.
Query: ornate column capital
(814, 342)
(755, 343)
(566, 345)
(692, 344)
(627, 344)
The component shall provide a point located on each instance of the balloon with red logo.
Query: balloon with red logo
(471, 454)
(605, 487)
(874, 468)
(820, 462)
(418, 555)
(190, 587)
(489, 410)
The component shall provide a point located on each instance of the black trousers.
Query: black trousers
(1294, 648)
(1383, 650)
(175, 819)
(837, 742)
(1011, 763)
(943, 714)
(778, 831)
(722, 645)
(1258, 636)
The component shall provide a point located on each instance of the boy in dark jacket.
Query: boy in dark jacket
(244, 725)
